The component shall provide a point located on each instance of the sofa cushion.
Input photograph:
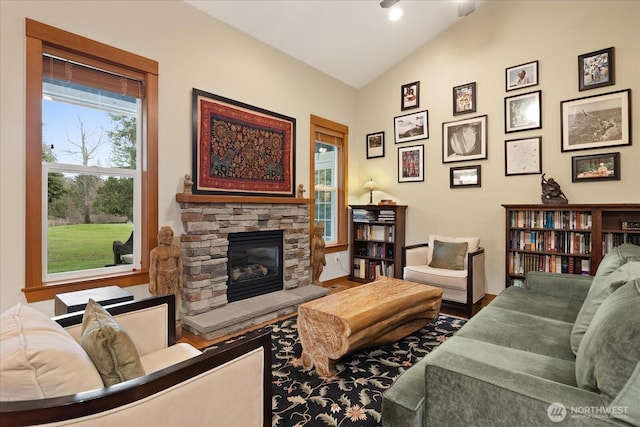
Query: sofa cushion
(109, 346)
(610, 350)
(448, 255)
(39, 359)
(601, 287)
(617, 257)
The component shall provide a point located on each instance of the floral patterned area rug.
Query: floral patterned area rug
(353, 397)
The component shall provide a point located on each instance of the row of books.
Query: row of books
(551, 241)
(371, 269)
(363, 215)
(382, 233)
(374, 249)
(580, 220)
(611, 240)
(522, 263)
(387, 215)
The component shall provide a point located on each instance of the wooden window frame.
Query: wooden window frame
(316, 122)
(40, 36)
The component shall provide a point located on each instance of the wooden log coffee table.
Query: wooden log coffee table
(364, 316)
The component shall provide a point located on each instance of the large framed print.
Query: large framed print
(464, 139)
(523, 112)
(523, 156)
(411, 127)
(596, 121)
(596, 69)
(411, 163)
(596, 167)
(241, 149)
(375, 145)
(521, 76)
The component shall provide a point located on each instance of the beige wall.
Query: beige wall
(194, 51)
(498, 35)
(197, 51)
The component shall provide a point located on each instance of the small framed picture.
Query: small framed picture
(596, 69)
(464, 99)
(411, 126)
(521, 76)
(595, 167)
(523, 156)
(464, 140)
(596, 121)
(375, 145)
(410, 96)
(465, 176)
(411, 163)
(523, 112)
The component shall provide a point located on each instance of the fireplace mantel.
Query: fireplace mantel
(206, 198)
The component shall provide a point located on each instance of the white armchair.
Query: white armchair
(457, 269)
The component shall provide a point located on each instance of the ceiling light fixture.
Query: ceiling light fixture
(395, 13)
(388, 3)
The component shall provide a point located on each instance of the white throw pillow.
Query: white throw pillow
(39, 359)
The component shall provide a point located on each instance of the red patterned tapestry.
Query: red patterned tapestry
(241, 149)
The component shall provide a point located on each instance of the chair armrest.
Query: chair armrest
(559, 284)
(415, 254)
(150, 322)
(153, 397)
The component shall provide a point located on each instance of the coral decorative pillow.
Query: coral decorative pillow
(448, 255)
(109, 346)
(39, 359)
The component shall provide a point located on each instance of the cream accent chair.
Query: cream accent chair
(461, 288)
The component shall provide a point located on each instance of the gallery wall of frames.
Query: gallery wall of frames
(588, 122)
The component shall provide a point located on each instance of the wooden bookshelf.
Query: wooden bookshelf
(567, 238)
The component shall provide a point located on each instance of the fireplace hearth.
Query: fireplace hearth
(255, 265)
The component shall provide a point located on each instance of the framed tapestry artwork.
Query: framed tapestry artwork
(375, 145)
(410, 96)
(596, 69)
(523, 112)
(411, 163)
(465, 176)
(596, 121)
(411, 127)
(596, 167)
(523, 156)
(464, 140)
(241, 149)
(464, 99)
(521, 76)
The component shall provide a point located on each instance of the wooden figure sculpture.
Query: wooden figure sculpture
(187, 185)
(301, 190)
(165, 270)
(551, 192)
(318, 260)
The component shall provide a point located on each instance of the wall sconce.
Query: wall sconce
(370, 186)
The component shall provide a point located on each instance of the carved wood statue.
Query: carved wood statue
(318, 260)
(301, 190)
(187, 184)
(165, 270)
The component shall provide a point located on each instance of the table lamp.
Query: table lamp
(370, 186)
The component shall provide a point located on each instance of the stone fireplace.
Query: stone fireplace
(208, 223)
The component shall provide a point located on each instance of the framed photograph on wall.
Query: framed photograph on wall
(411, 127)
(596, 167)
(523, 112)
(523, 156)
(596, 69)
(410, 96)
(411, 163)
(465, 176)
(521, 76)
(596, 121)
(219, 167)
(464, 140)
(375, 145)
(464, 99)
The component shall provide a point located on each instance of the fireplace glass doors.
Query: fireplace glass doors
(255, 264)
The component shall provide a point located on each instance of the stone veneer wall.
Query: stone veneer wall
(205, 245)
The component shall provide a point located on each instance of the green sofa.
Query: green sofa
(565, 350)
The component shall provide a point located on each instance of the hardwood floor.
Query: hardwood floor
(334, 286)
